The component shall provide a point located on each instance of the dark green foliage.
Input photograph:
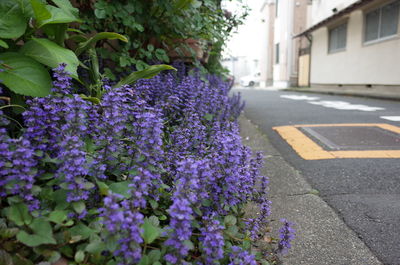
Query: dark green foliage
(157, 28)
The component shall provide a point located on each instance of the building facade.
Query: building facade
(355, 44)
(285, 19)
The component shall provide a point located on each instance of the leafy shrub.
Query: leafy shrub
(32, 37)
(33, 34)
(153, 174)
(155, 28)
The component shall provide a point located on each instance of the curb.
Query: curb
(322, 238)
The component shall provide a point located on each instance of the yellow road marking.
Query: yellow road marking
(310, 150)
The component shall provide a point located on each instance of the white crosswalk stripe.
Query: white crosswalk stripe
(302, 97)
(391, 118)
(343, 105)
(340, 105)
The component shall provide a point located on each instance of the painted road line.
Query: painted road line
(343, 105)
(340, 105)
(307, 149)
(297, 97)
(391, 118)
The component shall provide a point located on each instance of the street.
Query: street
(348, 148)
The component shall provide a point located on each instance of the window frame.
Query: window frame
(379, 39)
(330, 29)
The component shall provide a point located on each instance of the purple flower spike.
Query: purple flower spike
(62, 82)
(286, 235)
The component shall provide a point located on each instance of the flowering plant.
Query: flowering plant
(153, 174)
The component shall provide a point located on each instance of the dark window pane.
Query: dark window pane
(342, 32)
(337, 38)
(389, 19)
(277, 53)
(332, 39)
(372, 25)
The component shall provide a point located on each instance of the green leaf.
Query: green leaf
(58, 16)
(150, 232)
(189, 244)
(67, 7)
(230, 220)
(26, 8)
(154, 256)
(19, 260)
(100, 13)
(40, 11)
(153, 204)
(51, 54)
(140, 65)
(6, 233)
(19, 214)
(147, 73)
(144, 260)
(79, 256)
(81, 230)
(24, 75)
(42, 234)
(208, 117)
(121, 188)
(67, 251)
(60, 198)
(91, 99)
(54, 257)
(150, 47)
(99, 36)
(79, 207)
(12, 21)
(246, 244)
(58, 217)
(3, 44)
(182, 4)
(95, 247)
(112, 243)
(197, 4)
(154, 220)
(103, 188)
(232, 230)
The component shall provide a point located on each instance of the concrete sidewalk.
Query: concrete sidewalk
(322, 237)
(379, 93)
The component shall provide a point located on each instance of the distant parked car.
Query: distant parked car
(250, 80)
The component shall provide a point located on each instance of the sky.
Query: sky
(248, 39)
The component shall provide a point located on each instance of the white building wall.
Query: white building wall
(322, 9)
(283, 37)
(376, 64)
(265, 42)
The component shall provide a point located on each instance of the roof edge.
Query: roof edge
(335, 16)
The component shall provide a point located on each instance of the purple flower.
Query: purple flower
(241, 257)
(17, 168)
(62, 82)
(286, 235)
(180, 227)
(212, 240)
(122, 219)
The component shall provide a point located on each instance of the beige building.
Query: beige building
(285, 19)
(354, 44)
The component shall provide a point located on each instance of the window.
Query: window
(277, 53)
(382, 22)
(337, 38)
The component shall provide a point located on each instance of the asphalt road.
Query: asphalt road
(365, 192)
